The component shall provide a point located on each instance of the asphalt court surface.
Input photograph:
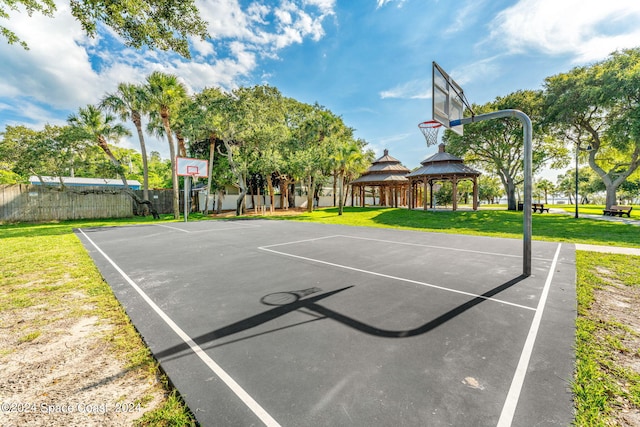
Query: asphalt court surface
(261, 322)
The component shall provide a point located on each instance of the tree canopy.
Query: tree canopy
(157, 24)
(596, 109)
(497, 145)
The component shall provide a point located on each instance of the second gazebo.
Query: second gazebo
(389, 176)
(442, 166)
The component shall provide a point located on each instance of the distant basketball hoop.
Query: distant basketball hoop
(430, 131)
(190, 169)
(195, 168)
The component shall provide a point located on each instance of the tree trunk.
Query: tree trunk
(611, 185)
(310, 194)
(174, 172)
(219, 201)
(291, 194)
(240, 177)
(102, 143)
(272, 198)
(335, 177)
(284, 190)
(341, 191)
(240, 202)
(252, 189)
(346, 193)
(212, 146)
(511, 196)
(145, 163)
(147, 205)
(611, 196)
(182, 148)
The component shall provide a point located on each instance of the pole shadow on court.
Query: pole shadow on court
(287, 302)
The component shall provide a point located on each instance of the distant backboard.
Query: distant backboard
(192, 167)
(447, 99)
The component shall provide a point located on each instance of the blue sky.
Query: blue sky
(366, 60)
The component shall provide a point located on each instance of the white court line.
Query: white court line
(510, 404)
(401, 279)
(217, 370)
(240, 227)
(439, 247)
(168, 226)
(300, 241)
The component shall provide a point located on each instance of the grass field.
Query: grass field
(497, 223)
(47, 277)
(45, 266)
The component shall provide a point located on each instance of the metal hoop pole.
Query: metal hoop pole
(528, 154)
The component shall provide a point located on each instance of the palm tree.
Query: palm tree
(345, 155)
(546, 187)
(90, 124)
(164, 94)
(129, 102)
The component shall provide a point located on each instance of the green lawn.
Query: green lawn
(44, 267)
(498, 223)
(593, 210)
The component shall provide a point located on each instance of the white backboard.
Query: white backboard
(447, 99)
(192, 167)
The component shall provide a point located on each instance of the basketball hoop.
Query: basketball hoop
(430, 131)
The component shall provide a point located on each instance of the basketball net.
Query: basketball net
(430, 131)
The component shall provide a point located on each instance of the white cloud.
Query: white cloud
(227, 19)
(56, 69)
(586, 29)
(381, 3)
(414, 89)
(465, 16)
(65, 70)
(484, 69)
(390, 140)
(325, 6)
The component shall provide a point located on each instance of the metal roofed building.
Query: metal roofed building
(386, 174)
(84, 182)
(441, 166)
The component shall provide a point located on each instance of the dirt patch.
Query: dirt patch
(617, 304)
(67, 375)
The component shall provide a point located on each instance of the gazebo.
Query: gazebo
(389, 176)
(442, 166)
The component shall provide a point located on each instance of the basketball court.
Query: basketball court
(260, 322)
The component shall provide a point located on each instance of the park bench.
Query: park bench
(539, 207)
(617, 210)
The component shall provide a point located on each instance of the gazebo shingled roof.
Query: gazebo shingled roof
(443, 166)
(387, 173)
(383, 170)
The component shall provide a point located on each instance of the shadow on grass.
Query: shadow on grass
(556, 227)
(497, 223)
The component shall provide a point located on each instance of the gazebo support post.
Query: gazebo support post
(475, 193)
(454, 193)
(430, 193)
(426, 201)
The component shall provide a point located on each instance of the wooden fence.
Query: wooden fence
(35, 203)
(162, 200)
